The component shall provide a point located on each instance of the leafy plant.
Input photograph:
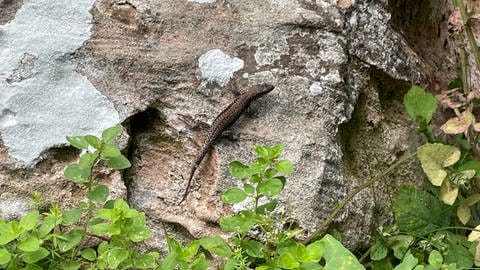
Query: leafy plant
(56, 239)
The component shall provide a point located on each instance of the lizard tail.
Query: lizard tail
(189, 183)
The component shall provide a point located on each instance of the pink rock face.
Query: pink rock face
(153, 60)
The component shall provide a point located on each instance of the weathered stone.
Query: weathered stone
(170, 66)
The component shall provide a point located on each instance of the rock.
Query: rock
(165, 68)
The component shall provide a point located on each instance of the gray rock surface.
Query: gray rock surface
(42, 97)
(167, 66)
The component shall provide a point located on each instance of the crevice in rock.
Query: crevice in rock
(148, 134)
(379, 132)
(424, 25)
(8, 9)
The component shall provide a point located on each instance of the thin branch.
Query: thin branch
(352, 194)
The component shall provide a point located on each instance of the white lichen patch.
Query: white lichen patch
(42, 98)
(218, 67)
(316, 89)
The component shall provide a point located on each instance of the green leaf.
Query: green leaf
(98, 194)
(287, 261)
(29, 244)
(5, 256)
(102, 248)
(270, 187)
(69, 217)
(86, 160)
(71, 240)
(170, 262)
(189, 251)
(233, 195)
(94, 141)
(236, 223)
(270, 173)
(419, 213)
(46, 227)
(314, 252)
(471, 165)
(76, 173)
(200, 263)
(111, 133)
(408, 262)
(420, 104)
(249, 189)
(238, 170)
(253, 248)
(435, 258)
(71, 265)
(116, 256)
(270, 206)
(458, 252)
(284, 166)
(78, 142)
(9, 231)
(337, 257)
(29, 221)
(275, 151)
(261, 151)
(310, 266)
(400, 244)
(118, 162)
(110, 150)
(216, 245)
(146, 261)
(378, 251)
(434, 157)
(33, 257)
(89, 254)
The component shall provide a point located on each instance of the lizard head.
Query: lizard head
(262, 89)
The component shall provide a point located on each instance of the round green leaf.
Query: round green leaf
(315, 251)
(78, 142)
(89, 254)
(249, 189)
(236, 223)
(253, 248)
(216, 245)
(270, 187)
(233, 195)
(287, 261)
(261, 151)
(118, 162)
(29, 245)
(284, 166)
(98, 194)
(435, 258)
(146, 261)
(77, 173)
(33, 257)
(93, 141)
(69, 217)
(275, 151)
(419, 103)
(111, 133)
(30, 220)
(270, 173)
(116, 256)
(378, 251)
(5, 256)
(110, 150)
(238, 170)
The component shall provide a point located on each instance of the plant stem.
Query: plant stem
(468, 31)
(352, 194)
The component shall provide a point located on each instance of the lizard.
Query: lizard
(223, 120)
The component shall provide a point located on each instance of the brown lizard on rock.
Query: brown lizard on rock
(227, 117)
